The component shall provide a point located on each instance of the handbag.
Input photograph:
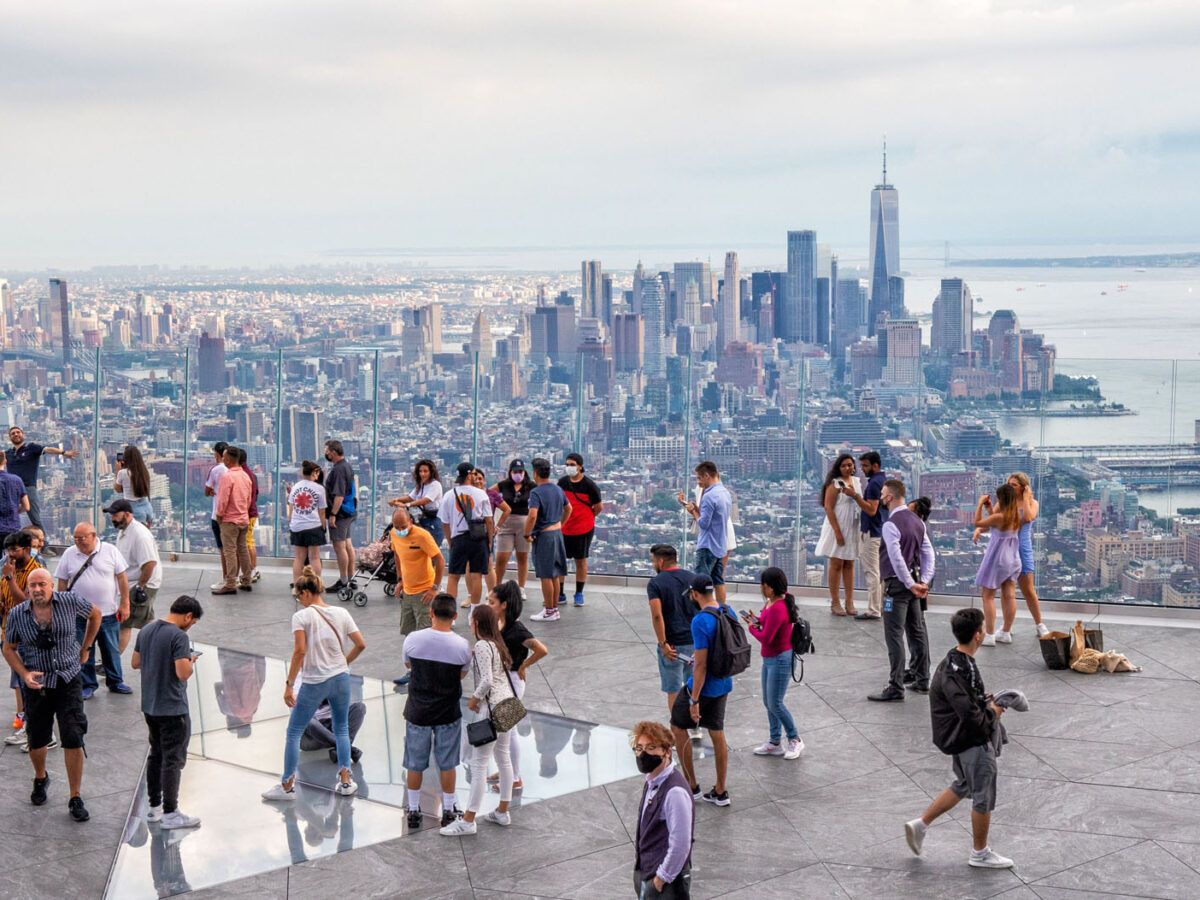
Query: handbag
(481, 732)
(509, 711)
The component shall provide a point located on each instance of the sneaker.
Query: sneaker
(336, 586)
(38, 797)
(546, 615)
(223, 591)
(154, 813)
(180, 820)
(255, 576)
(524, 596)
(909, 678)
(579, 598)
(279, 792)
(414, 819)
(216, 586)
(721, 799)
(887, 695)
(1042, 630)
(562, 599)
(498, 818)
(989, 859)
(697, 793)
(80, 814)
(88, 693)
(457, 828)
(1003, 637)
(914, 833)
(989, 640)
(917, 688)
(795, 748)
(449, 815)
(345, 788)
(696, 735)
(17, 737)
(54, 743)
(121, 688)
(768, 748)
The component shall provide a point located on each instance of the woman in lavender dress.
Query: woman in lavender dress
(1001, 564)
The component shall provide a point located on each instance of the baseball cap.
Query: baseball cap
(702, 584)
(118, 506)
(464, 469)
(517, 465)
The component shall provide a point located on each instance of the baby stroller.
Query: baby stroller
(377, 562)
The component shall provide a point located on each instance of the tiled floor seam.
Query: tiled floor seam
(1163, 844)
(1093, 890)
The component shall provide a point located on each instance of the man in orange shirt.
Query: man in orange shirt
(234, 494)
(420, 565)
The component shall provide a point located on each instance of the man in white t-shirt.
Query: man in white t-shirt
(210, 490)
(136, 544)
(468, 556)
(96, 572)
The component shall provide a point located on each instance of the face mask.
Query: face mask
(648, 762)
(404, 533)
(518, 477)
(328, 458)
(572, 471)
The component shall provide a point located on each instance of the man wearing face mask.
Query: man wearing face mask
(420, 565)
(663, 862)
(580, 527)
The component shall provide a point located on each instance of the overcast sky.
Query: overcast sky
(243, 130)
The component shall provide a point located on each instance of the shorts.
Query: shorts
(672, 674)
(414, 612)
(443, 742)
(64, 702)
(579, 545)
(975, 777)
(141, 614)
(467, 555)
(712, 712)
(713, 566)
(549, 555)
(250, 532)
(339, 528)
(309, 537)
(1026, 560)
(511, 536)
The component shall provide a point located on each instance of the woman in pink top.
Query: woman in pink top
(772, 628)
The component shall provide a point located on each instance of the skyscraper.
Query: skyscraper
(654, 304)
(903, 363)
(5, 311)
(629, 342)
(639, 278)
(728, 315)
(481, 341)
(823, 312)
(422, 336)
(953, 318)
(61, 307)
(884, 253)
(554, 331)
(303, 433)
(212, 362)
(795, 317)
(693, 289)
(606, 300)
(589, 305)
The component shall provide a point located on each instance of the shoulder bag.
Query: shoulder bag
(87, 562)
(481, 732)
(476, 526)
(332, 628)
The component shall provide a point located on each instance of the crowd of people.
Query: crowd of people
(100, 593)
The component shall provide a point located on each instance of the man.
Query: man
(136, 544)
(468, 555)
(96, 572)
(318, 733)
(233, 514)
(871, 519)
(250, 547)
(211, 483)
(14, 500)
(439, 660)
(671, 614)
(420, 566)
(343, 509)
(548, 510)
(164, 655)
(19, 562)
(42, 646)
(711, 515)
(662, 865)
(23, 461)
(964, 720)
(906, 564)
(703, 702)
(580, 527)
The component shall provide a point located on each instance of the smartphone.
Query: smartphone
(839, 483)
(683, 658)
(196, 653)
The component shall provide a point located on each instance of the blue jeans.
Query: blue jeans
(776, 675)
(337, 691)
(108, 639)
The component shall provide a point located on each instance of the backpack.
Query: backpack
(802, 643)
(729, 653)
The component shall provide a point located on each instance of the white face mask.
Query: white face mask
(572, 471)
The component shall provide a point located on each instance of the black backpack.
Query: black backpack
(729, 653)
(802, 643)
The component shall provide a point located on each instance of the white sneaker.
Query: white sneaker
(794, 749)
(255, 576)
(345, 789)
(498, 818)
(1042, 630)
(989, 640)
(546, 615)
(17, 737)
(50, 746)
(216, 586)
(179, 820)
(1003, 637)
(768, 749)
(696, 734)
(279, 792)
(154, 814)
(524, 596)
(457, 828)
(989, 860)
(914, 833)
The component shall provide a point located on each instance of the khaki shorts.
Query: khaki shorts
(512, 536)
(250, 533)
(141, 614)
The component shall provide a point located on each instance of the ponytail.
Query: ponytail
(790, 602)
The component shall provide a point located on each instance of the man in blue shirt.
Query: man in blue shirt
(703, 701)
(712, 520)
(871, 520)
(13, 501)
(23, 461)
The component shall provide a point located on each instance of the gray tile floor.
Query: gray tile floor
(1099, 787)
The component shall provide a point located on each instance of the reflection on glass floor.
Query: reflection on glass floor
(238, 725)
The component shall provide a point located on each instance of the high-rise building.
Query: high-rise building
(5, 312)
(422, 336)
(903, 363)
(61, 307)
(953, 318)
(729, 312)
(821, 334)
(884, 252)
(795, 318)
(303, 434)
(629, 342)
(213, 376)
(762, 285)
(589, 305)
(639, 278)
(693, 289)
(481, 341)
(606, 300)
(654, 305)
(554, 331)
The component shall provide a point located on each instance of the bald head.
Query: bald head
(39, 586)
(85, 537)
(401, 518)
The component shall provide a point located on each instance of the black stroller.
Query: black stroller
(378, 563)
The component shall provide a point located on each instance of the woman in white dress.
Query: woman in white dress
(840, 532)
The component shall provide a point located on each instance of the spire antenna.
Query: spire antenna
(885, 159)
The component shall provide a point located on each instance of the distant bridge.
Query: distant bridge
(1160, 452)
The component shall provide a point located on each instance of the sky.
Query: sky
(259, 131)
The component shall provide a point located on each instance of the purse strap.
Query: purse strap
(337, 633)
(475, 664)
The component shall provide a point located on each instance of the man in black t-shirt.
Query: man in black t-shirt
(671, 614)
(23, 461)
(580, 527)
(343, 509)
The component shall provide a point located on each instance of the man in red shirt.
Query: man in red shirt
(580, 527)
(234, 494)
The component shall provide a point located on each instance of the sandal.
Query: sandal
(836, 608)
(851, 611)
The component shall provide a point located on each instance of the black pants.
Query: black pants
(216, 530)
(679, 889)
(169, 736)
(904, 619)
(318, 736)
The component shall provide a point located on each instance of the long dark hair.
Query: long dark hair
(139, 475)
(307, 467)
(487, 627)
(509, 595)
(775, 579)
(922, 506)
(1006, 496)
(433, 472)
(835, 469)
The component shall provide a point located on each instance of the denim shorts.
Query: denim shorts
(672, 675)
(443, 742)
(711, 565)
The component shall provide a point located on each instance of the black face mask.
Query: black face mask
(328, 458)
(648, 762)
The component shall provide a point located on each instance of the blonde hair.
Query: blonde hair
(310, 582)
(1022, 478)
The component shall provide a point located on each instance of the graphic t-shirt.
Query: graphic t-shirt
(704, 635)
(307, 498)
(582, 494)
(159, 644)
(464, 497)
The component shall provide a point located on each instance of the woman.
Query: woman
(320, 634)
(510, 530)
(524, 650)
(307, 504)
(133, 484)
(840, 532)
(1019, 482)
(1001, 564)
(772, 628)
(490, 666)
(479, 480)
(425, 498)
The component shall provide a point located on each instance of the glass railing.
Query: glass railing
(1112, 450)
